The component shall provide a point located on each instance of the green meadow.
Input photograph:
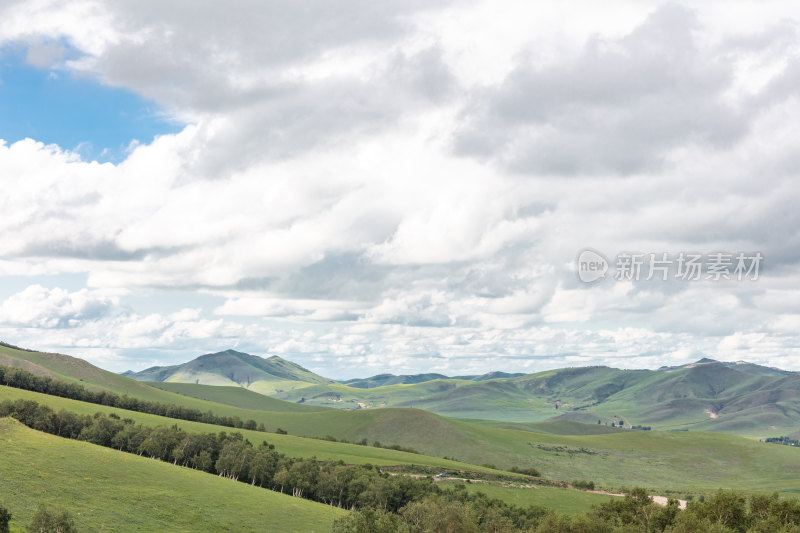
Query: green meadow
(107, 490)
(567, 501)
(656, 459)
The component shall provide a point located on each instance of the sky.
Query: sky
(401, 187)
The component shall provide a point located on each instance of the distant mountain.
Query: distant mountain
(736, 397)
(272, 375)
(490, 375)
(741, 366)
(382, 380)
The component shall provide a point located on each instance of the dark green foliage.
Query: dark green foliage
(783, 440)
(454, 510)
(5, 518)
(585, 485)
(49, 521)
(526, 471)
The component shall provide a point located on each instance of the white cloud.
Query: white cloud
(39, 307)
(316, 197)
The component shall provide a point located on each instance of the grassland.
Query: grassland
(561, 450)
(107, 490)
(264, 375)
(742, 399)
(568, 501)
(292, 445)
(736, 398)
(236, 397)
(673, 460)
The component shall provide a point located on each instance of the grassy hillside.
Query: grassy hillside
(267, 376)
(382, 380)
(568, 501)
(223, 401)
(732, 397)
(737, 398)
(678, 460)
(107, 490)
(236, 397)
(291, 444)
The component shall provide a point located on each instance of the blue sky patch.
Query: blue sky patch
(75, 112)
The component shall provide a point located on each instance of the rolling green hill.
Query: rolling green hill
(656, 459)
(739, 398)
(266, 376)
(227, 401)
(291, 444)
(108, 490)
(708, 395)
(560, 448)
(382, 380)
(236, 397)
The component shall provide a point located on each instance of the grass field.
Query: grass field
(560, 450)
(288, 444)
(236, 397)
(568, 501)
(108, 490)
(674, 460)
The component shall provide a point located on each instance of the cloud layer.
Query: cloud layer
(405, 188)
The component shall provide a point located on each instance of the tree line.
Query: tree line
(787, 441)
(22, 379)
(230, 455)
(458, 510)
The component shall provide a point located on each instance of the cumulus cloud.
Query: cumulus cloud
(39, 307)
(621, 106)
(359, 186)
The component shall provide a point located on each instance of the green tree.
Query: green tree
(5, 518)
(368, 521)
(48, 521)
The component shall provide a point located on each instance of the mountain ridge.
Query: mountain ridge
(735, 397)
(231, 367)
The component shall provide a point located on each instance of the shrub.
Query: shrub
(47, 521)
(526, 471)
(5, 518)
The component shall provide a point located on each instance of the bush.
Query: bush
(526, 471)
(47, 521)
(5, 518)
(585, 485)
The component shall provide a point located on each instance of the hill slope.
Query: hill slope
(223, 401)
(562, 451)
(266, 376)
(108, 490)
(710, 395)
(236, 397)
(382, 380)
